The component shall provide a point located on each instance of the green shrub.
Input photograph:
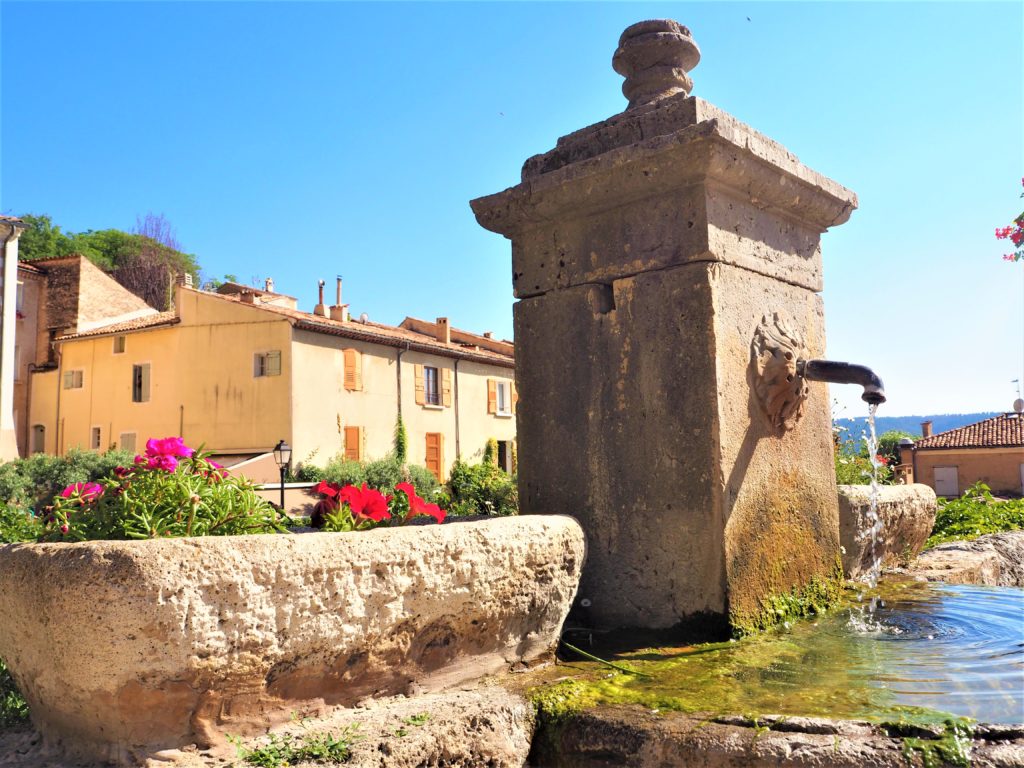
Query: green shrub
(33, 482)
(344, 471)
(384, 474)
(13, 708)
(481, 489)
(18, 524)
(423, 480)
(976, 512)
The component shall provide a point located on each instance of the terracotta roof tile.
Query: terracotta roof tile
(1003, 431)
(376, 333)
(138, 324)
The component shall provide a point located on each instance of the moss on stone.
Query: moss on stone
(816, 597)
(952, 747)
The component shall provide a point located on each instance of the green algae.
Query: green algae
(952, 747)
(816, 597)
(812, 668)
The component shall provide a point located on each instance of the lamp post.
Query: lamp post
(283, 457)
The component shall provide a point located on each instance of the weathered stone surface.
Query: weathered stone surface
(906, 514)
(652, 246)
(126, 645)
(635, 738)
(485, 726)
(996, 559)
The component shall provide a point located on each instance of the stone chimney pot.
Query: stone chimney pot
(926, 429)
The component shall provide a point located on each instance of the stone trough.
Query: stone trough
(125, 648)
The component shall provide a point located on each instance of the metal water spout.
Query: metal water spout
(844, 373)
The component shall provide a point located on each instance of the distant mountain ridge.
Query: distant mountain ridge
(942, 422)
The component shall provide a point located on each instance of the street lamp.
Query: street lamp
(283, 457)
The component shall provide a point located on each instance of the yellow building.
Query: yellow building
(241, 369)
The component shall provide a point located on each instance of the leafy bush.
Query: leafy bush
(172, 491)
(976, 512)
(18, 524)
(853, 467)
(33, 482)
(481, 489)
(382, 474)
(13, 708)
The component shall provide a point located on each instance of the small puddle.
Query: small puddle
(951, 649)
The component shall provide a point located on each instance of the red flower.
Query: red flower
(365, 503)
(417, 506)
(329, 490)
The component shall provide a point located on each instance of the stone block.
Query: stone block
(128, 646)
(906, 514)
(996, 559)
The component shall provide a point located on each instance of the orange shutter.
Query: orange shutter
(350, 369)
(354, 443)
(515, 397)
(446, 388)
(492, 396)
(421, 397)
(435, 453)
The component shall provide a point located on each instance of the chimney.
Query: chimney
(320, 309)
(488, 334)
(247, 297)
(268, 285)
(339, 311)
(926, 429)
(443, 330)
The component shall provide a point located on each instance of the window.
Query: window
(500, 397)
(353, 370)
(505, 455)
(432, 392)
(119, 345)
(267, 364)
(433, 386)
(95, 438)
(140, 383)
(354, 443)
(127, 442)
(19, 301)
(17, 362)
(38, 438)
(74, 379)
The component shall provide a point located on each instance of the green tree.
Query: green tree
(889, 445)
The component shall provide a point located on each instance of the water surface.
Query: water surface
(955, 649)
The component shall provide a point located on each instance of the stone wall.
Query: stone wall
(906, 514)
(126, 647)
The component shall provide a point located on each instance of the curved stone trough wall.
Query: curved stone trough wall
(126, 647)
(907, 514)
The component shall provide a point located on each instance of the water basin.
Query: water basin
(924, 649)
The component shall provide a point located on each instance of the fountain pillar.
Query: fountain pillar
(667, 267)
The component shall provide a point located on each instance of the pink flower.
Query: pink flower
(64, 528)
(84, 491)
(166, 463)
(169, 446)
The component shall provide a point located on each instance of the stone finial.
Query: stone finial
(654, 57)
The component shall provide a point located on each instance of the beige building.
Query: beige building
(989, 451)
(243, 368)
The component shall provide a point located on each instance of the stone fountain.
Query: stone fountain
(667, 263)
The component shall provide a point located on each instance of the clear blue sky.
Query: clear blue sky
(301, 141)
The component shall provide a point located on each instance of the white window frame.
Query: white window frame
(74, 379)
(503, 398)
(266, 363)
(145, 385)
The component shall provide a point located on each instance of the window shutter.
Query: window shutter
(358, 358)
(440, 457)
(446, 388)
(492, 396)
(145, 383)
(421, 397)
(353, 443)
(515, 397)
(274, 363)
(350, 370)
